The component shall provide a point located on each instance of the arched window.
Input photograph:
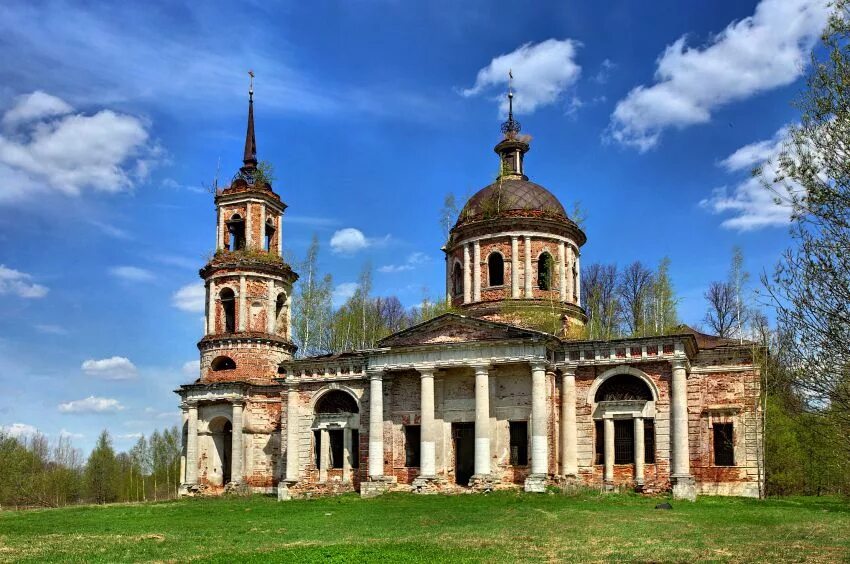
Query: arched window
(337, 401)
(544, 271)
(280, 314)
(496, 269)
(228, 307)
(623, 387)
(269, 237)
(222, 363)
(236, 233)
(457, 280)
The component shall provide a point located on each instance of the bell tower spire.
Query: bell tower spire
(249, 161)
(512, 148)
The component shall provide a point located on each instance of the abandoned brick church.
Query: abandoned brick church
(471, 400)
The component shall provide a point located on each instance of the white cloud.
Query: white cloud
(18, 283)
(542, 72)
(343, 291)
(751, 204)
(34, 106)
(19, 430)
(114, 368)
(764, 51)
(69, 152)
(129, 436)
(68, 434)
(604, 73)
(350, 240)
(91, 404)
(413, 260)
(192, 368)
(51, 329)
(111, 230)
(191, 298)
(132, 274)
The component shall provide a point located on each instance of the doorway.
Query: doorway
(463, 435)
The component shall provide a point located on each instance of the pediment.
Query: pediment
(453, 328)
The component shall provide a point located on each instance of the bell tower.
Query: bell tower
(248, 284)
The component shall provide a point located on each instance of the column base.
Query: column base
(482, 483)
(535, 483)
(283, 493)
(189, 490)
(236, 488)
(376, 485)
(684, 487)
(428, 484)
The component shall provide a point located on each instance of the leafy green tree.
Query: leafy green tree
(312, 309)
(102, 472)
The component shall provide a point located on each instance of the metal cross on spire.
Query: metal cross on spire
(250, 158)
(511, 127)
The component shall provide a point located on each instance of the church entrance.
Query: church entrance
(222, 435)
(464, 443)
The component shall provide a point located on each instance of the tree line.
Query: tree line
(36, 473)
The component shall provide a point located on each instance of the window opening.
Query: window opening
(496, 269)
(624, 441)
(228, 306)
(412, 437)
(544, 272)
(724, 451)
(519, 442)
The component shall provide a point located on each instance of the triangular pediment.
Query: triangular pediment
(453, 328)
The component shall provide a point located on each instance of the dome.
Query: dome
(512, 197)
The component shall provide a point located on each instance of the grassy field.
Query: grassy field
(503, 527)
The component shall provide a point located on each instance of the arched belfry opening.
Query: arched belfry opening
(457, 280)
(280, 314)
(228, 309)
(268, 240)
(545, 264)
(236, 233)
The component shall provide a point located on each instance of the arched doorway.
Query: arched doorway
(336, 435)
(221, 455)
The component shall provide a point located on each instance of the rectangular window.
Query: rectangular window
(624, 441)
(412, 437)
(724, 448)
(355, 448)
(599, 453)
(519, 442)
(337, 450)
(649, 441)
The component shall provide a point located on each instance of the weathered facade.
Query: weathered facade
(473, 400)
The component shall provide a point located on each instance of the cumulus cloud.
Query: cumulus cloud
(64, 433)
(413, 260)
(192, 368)
(19, 284)
(764, 51)
(91, 404)
(751, 205)
(47, 147)
(132, 274)
(114, 368)
(343, 291)
(19, 430)
(350, 240)
(542, 73)
(191, 298)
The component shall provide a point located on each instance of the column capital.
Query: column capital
(238, 403)
(680, 364)
(189, 404)
(538, 365)
(480, 367)
(568, 370)
(375, 373)
(425, 371)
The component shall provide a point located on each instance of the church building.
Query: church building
(475, 400)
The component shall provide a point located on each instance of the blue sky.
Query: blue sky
(114, 118)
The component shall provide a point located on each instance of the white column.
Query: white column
(237, 453)
(184, 412)
(608, 475)
(376, 424)
(280, 234)
(243, 303)
(292, 409)
(482, 420)
(346, 455)
(514, 267)
(569, 433)
(529, 275)
(250, 244)
(427, 451)
(219, 243)
(476, 272)
(562, 272)
(539, 420)
(467, 276)
(192, 445)
(324, 454)
(578, 280)
(271, 318)
(211, 307)
(263, 229)
(448, 278)
(569, 274)
(639, 454)
(679, 419)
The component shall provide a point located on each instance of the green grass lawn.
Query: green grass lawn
(504, 527)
